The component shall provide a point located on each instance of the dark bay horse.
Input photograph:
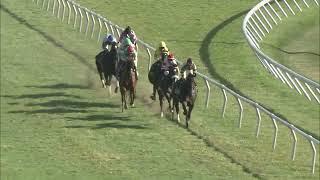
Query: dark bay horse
(106, 65)
(165, 87)
(185, 92)
(154, 76)
(127, 82)
(99, 64)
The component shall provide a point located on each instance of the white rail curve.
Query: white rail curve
(259, 22)
(68, 11)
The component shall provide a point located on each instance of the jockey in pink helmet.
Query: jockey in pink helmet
(126, 52)
(168, 63)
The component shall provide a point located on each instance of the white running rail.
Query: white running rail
(72, 13)
(259, 22)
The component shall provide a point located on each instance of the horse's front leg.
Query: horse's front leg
(161, 103)
(125, 100)
(184, 106)
(176, 106)
(168, 97)
(188, 116)
(132, 95)
(101, 75)
(122, 101)
(109, 77)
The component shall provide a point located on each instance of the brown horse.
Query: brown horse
(154, 76)
(127, 82)
(185, 92)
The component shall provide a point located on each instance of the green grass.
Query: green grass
(295, 43)
(57, 123)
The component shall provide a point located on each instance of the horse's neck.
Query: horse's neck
(190, 84)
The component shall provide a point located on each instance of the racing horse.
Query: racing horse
(154, 76)
(106, 65)
(185, 92)
(127, 82)
(165, 87)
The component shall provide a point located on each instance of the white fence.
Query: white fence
(259, 22)
(72, 13)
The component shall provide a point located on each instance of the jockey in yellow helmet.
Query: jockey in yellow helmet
(160, 50)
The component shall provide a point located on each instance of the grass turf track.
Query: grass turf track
(57, 123)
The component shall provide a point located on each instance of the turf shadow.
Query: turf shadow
(50, 111)
(73, 104)
(49, 38)
(60, 86)
(104, 117)
(41, 95)
(113, 125)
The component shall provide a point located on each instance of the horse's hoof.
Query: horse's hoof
(132, 105)
(184, 113)
(178, 118)
(161, 114)
(125, 107)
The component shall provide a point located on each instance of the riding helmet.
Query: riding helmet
(171, 57)
(111, 39)
(130, 49)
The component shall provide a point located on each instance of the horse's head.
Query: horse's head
(114, 46)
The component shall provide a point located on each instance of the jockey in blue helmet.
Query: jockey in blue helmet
(109, 39)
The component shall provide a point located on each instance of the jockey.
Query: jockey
(161, 50)
(108, 40)
(124, 47)
(168, 64)
(160, 55)
(128, 33)
(126, 52)
(188, 68)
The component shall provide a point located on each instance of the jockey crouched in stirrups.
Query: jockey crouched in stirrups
(189, 68)
(129, 33)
